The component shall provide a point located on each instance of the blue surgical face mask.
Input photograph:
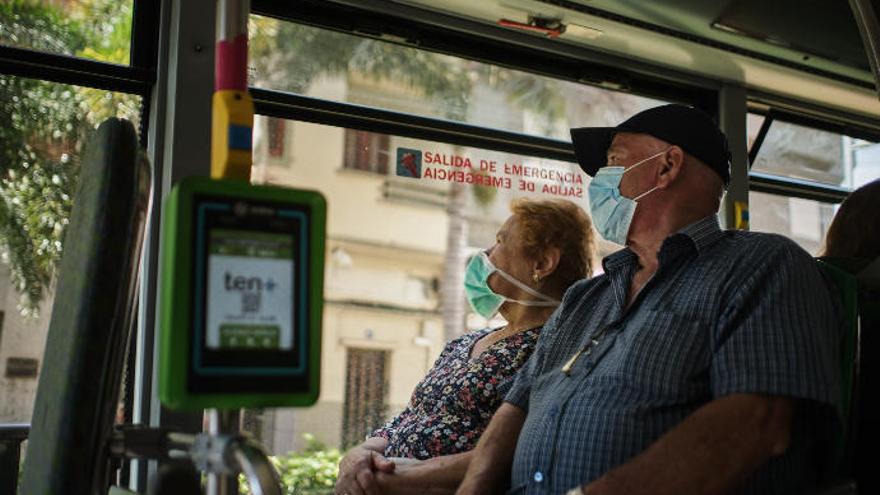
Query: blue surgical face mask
(483, 299)
(611, 211)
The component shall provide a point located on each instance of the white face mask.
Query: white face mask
(611, 211)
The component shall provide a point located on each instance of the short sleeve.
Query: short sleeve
(521, 386)
(779, 334)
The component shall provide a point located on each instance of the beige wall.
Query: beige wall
(356, 208)
(23, 337)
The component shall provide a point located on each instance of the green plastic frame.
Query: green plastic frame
(176, 295)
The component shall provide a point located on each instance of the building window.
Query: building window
(276, 137)
(17, 367)
(366, 393)
(366, 151)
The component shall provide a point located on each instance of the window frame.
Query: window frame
(805, 116)
(137, 78)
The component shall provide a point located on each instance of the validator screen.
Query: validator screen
(249, 290)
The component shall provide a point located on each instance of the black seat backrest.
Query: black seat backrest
(853, 467)
(867, 411)
(91, 318)
(848, 294)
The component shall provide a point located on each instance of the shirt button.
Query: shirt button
(539, 476)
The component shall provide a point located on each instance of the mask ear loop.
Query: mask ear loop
(528, 290)
(649, 191)
(636, 164)
(544, 300)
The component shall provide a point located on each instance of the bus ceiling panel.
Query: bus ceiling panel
(480, 39)
(621, 30)
(818, 36)
(303, 108)
(869, 29)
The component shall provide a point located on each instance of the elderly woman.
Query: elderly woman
(542, 248)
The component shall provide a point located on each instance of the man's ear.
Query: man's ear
(670, 166)
(547, 262)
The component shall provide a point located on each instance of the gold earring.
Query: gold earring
(536, 278)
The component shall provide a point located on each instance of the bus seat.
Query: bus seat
(867, 418)
(91, 318)
(847, 287)
(861, 305)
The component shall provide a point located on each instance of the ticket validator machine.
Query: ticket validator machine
(241, 304)
(241, 296)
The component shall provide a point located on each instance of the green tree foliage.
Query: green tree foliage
(28, 24)
(311, 472)
(289, 57)
(44, 127)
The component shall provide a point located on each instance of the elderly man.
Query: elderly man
(702, 361)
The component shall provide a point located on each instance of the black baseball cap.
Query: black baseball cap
(686, 127)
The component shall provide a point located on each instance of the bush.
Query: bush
(311, 472)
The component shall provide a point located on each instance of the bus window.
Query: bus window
(97, 30)
(45, 126)
(326, 64)
(795, 151)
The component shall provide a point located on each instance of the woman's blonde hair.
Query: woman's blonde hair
(855, 230)
(561, 224)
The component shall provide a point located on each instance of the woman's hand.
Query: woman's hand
(357, 470)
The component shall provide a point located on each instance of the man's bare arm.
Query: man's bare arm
(713, 451)
(489, 469)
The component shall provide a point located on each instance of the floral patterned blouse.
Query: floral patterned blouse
(451, 407)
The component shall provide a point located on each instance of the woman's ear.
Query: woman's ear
(547, 262)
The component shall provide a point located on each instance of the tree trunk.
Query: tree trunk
(452, 301)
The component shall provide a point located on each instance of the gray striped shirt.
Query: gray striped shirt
(726, 312)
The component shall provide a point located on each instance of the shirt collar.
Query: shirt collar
(703, 233)
(700, 234)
